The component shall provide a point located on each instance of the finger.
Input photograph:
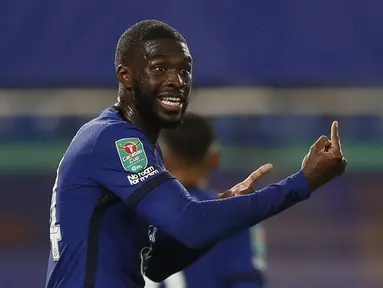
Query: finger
(238, 188)
(327, 147)
(321, 143)
(257, 174)
(226, 194)
(335, 141)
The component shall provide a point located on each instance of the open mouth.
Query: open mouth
(171, 103)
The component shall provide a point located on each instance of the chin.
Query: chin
(170, 123)
(170, 120)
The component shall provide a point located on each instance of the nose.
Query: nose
(175, 80)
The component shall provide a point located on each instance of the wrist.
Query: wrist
(306, 173)
(302, 184)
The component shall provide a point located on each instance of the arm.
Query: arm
(243, 265)
(144, 185)
(239, 267)
(198, 223)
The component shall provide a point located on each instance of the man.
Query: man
(191, 153)
(111, 182)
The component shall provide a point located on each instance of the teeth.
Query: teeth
(172, 99)
(171, 103)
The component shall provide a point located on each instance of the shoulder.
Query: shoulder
(108, 128)
(121, 143)
(122, 135)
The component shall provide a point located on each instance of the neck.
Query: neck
(130, 113)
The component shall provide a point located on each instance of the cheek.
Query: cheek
(145, 80)
(151, 84)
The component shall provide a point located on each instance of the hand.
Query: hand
(245, 187)
(325, 159)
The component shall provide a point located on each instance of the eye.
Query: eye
(159, 69)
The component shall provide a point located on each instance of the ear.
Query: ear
(124, 76)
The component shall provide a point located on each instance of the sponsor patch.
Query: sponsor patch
(132, 154)
(142, 176)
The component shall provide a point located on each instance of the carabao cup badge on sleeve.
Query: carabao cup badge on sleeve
(132, 154)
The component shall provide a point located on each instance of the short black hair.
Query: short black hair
(146, 30)
(193, 139)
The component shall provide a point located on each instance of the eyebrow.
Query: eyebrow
(158, 56)
(154, 56)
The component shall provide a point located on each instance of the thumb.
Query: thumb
(226, 194)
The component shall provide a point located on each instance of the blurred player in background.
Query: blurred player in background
(115, 210)
(191, 153)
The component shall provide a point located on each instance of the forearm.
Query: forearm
(197, 224)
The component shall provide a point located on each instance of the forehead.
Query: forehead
(166, 49)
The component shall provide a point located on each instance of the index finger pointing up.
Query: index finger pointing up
(335, 141)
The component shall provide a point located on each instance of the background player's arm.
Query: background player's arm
(239, 269)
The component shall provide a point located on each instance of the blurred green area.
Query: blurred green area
(44, 156)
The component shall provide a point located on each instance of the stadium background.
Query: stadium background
(271, 75)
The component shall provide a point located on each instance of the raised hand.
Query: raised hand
(325, 160)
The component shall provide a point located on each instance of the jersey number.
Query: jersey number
(54, 229)
(175, 281)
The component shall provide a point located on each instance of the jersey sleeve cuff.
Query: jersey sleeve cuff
(300, 185)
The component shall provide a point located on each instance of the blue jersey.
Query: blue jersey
(234, 262)
(94, 237)
(111, 183)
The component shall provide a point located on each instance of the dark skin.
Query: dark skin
(162, 69)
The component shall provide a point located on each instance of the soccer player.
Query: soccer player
(191, 153)
(111, 182)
